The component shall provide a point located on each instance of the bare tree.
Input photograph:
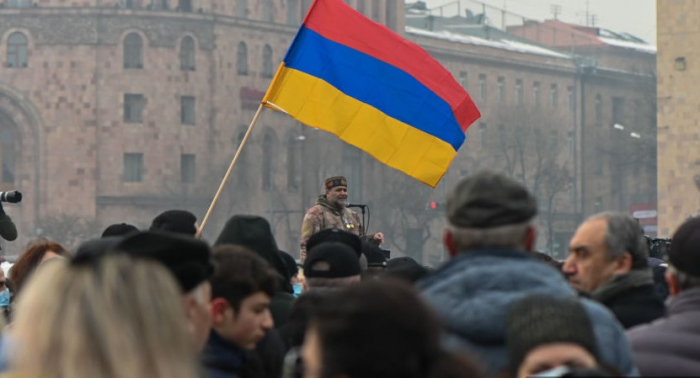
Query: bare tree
(68, 229)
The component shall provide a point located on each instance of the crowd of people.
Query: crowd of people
(162, 303)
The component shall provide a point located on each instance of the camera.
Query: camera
(12, 197)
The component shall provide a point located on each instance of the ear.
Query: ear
(623, 264)
(530, 238)
(219, 311)
(673, 287)
(448, 239)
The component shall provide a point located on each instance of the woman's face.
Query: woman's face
(549, 356)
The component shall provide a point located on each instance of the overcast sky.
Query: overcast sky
(637, 17)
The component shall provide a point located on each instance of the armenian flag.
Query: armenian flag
(355, 78)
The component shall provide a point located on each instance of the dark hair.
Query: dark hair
(382, 329)
(177, 221)
(118, 229)
(30, 259)
(241, 273)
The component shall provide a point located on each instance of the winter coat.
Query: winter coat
(323, 216)
(222, 359)
(632, 297)
(670, 346)
(473, 292)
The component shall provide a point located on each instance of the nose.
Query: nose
(569, 267)
(267, 322)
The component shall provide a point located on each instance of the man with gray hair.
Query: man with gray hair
(490, 237)
(608, 261)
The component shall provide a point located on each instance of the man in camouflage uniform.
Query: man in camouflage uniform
(330, 211)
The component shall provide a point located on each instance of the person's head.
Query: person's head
(335, 235)
(177, 221)
(110, 317)
(331, 265)
(254, 232)
(490, 210)
(375, 257)
(404, 268)
(683, 271)
(545, 332)
(31, 258)
(605, 245)
(118, 229)
(337, 191)
(241, 292)
(189, 261)
(290, 264)
(377, 329)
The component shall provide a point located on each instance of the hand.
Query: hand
(378, 237)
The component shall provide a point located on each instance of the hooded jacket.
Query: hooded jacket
(473, 293)
(322, 216)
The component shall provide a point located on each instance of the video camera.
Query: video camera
(658, 247)
(12, 197)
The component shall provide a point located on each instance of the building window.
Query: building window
(128, 4)
(293, 17)
(463, 79)
(267, 62)
(307, 5)
(187, 54)
(293, 163)
(17, 51)
(267, 11)
(519, 92)
(390, 15)
(187, 110)
(598, 109)
(482, 135)
(133, 108)
(598, 205)
(187, 168)
(133, 167)
(536, 93)
(554, 96)
(618, 106)
(375, 10)
(184, 5)
(571, 99)
(570, 142)
(242, 59)
(20, 3)
(501, 90)
(242, 8)
(165, 4)
(482, 87)
(8, 155)
(361, 6)
(133, 51)
(267, 170)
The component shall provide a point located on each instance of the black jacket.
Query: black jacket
(636, 305)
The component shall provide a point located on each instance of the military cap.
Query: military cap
(187, 258)
(488, 199)
(332, 182)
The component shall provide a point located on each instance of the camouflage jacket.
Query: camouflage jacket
(323, 215)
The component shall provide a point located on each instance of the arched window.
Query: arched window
(268, 173)
(242, 8)
(187, 54)
(598, 109)
(133, 51)
(293, 17)
(242, 59)
(267, 62)
(8, 154)
(17, 51)
(184, 5)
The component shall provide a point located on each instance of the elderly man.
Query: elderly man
(671, 346)
(331, 211)
(490, 237)
(608, 261)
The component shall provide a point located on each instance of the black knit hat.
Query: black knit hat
(119, 229)
(177, 221)
(538, 320)
(489, 199)
(335, 235)
(331, 260)
(255, 233)
(187, 258)
(684, 254)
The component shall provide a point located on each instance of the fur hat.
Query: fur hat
(177, 221)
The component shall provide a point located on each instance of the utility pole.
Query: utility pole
(556, 10)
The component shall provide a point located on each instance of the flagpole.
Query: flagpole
(230, 168)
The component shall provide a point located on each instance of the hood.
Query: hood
(323, 201)
(473, 292)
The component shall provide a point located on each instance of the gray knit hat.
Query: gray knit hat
(538, 320)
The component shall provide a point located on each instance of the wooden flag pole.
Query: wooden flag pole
(230, 168)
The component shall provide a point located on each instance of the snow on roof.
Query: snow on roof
(641, 47)
(503, 44)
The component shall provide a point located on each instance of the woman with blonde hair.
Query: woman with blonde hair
(101, 317)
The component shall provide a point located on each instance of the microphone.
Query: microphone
(356, 205)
